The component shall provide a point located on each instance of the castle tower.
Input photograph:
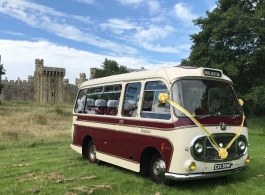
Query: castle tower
(92, 72)
(81, 79)
(48, 83)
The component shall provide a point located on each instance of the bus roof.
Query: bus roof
(169, 74)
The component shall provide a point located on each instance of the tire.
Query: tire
(157, 170)
(91, 152)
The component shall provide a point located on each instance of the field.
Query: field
(35, 158)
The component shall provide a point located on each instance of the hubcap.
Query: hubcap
(92, 153)
(159, 168)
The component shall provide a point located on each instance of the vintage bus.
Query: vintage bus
(175, 123)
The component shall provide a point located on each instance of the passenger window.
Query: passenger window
(99, 100)
(151, 108)
(131, 98)
(80, 102)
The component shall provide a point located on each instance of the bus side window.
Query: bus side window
(81, 101)
(150, 106)
(130, 104)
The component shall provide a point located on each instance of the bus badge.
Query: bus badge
(223, 126)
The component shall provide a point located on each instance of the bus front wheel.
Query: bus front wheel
(91, 152)
(157, 170)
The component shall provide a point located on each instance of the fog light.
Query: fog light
(192, 166)
(248, 159)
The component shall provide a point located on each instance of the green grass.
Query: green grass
(55, 169)
(47, 165)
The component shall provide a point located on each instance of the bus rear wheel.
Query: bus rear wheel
(91, 152)
(157, 170)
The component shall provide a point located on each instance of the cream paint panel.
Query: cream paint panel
(72, 129)
(209, 167)
(95, 124)
(76, 148)
(181, 158)
(107, 126)
(181, 139)
(119, 162)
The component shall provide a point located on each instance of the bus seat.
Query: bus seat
(100, 106)
(146, 106)
(90, 105)
(129, 107)
(112, 107)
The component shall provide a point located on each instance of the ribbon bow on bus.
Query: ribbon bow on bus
(163, 98)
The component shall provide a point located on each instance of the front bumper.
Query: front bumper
(194, 176)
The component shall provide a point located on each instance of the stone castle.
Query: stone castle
(46, 86)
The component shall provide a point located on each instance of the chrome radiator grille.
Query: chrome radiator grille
(207, 152)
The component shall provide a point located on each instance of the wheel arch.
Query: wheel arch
(145, 159)
(85, 142)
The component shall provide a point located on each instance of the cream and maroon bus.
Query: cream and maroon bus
(198, 130)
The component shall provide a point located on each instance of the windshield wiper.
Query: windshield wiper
(236, 116)
(207, 116)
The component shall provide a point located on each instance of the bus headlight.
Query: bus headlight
(198, 148)
(241, 145)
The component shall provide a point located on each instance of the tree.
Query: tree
(109, 67)
(2, 72)
(232, 38)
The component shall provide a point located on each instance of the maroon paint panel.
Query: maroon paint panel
(123, 145)
(129, 145)
(144, 141)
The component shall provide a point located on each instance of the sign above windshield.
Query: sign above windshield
(213, 73)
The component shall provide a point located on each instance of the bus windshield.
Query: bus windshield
(203, 98)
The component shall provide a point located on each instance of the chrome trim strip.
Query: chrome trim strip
(173, 176)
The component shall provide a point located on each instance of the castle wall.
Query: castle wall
(70, 92)
(46, 86)
(17, 91)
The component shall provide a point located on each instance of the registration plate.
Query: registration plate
(223, 166)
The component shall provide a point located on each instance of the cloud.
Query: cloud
(183, 12)
(85, 1)
(21, 55)
(118, 26)
(52, 21)
(153, 6)
(153, 33)
(142, 35)
(130, 2)
(13, 33)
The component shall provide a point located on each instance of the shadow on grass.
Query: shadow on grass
(190, 185)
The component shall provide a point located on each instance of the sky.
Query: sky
(80, 34)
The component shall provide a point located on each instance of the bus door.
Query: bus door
(128, 121)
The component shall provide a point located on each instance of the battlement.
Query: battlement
(48, 71)
(16, 82)
(66, 81)
(38, 61)
(54, 71)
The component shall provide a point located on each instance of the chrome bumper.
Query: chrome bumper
(173, 176)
